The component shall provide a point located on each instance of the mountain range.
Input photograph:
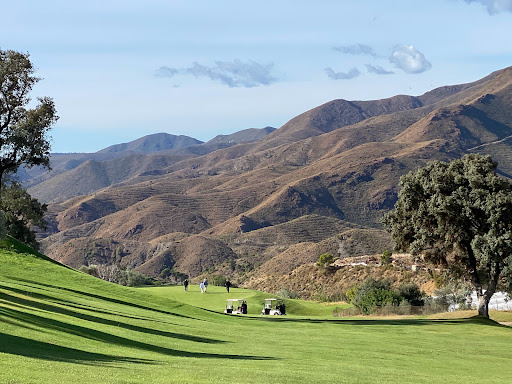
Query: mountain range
(265, 202)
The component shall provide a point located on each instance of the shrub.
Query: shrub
(372, 293)
(90, 270)
(166, 272)
(405, 307)
(135, 278)
(411, 293)
(172, 276)
(217, 280)
(118, 274)
(385, 258)
(454, 294)
(325, 260)
(286, 294)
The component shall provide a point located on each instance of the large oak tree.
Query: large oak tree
(23, 141)
(458, 214)
(23, 132)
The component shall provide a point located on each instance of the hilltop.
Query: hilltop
(319, 183)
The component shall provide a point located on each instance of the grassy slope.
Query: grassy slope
(215, 300)
(60, 326)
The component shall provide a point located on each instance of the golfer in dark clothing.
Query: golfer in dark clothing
(228, 284)
(185, 283)
(244, 308)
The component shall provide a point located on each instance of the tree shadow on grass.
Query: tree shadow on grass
(74, 304)
(101, 320)
(373, 322)
(93, 334)
(110, 299)
(20, 346)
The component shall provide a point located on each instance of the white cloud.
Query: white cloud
(494, 6)
(234, 73)
(356, 49)
(354, 72)
(409, 59)
(377, 69)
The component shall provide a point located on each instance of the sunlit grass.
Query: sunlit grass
(61, 326)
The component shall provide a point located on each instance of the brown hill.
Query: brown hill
(77, 174)
(153, 143)
(318, 184)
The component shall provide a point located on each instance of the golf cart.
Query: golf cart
(236, 307)
(274, 307)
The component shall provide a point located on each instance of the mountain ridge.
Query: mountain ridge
(337, 163)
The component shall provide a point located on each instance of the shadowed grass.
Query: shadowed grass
(61, 326)
(21, 346)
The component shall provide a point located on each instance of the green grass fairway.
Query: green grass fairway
(215, 300)
(61, 326)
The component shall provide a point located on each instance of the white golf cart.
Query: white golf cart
(273, 307)
(236, 307)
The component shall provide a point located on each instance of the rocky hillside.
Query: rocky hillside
(319, 183)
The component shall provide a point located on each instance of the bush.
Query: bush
(411, 293)
(90, 270)
(371, 294)
(385, 258)
(172, 276)
(454, 294)
(135, 278)
(325, 260)
(286, 294)
(118, 274)
(217, 280)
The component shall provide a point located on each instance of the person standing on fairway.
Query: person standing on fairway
(228, 285)
(203, 290)
(205, 282)
(185, 284)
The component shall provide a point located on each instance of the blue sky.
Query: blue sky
(119, 70)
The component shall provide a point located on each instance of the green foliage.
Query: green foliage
(3, 226)
(454, 293)
(385, 258)
(325, 260)
(287, 294)
(372, 293)
(166, 272)
(23, 132)
(136, 279)
(173, 276)
(22, 212)
(458, 214)
(411, 293)
(89, 269)
(217, 280)
(118, 274)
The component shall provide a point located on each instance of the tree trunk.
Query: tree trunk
(483, 305)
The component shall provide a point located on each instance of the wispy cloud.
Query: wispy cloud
(234, 73)
(354, 72)
(166, 72)
(356, 49)
(377, 69)
(409, 59)
(494, 6)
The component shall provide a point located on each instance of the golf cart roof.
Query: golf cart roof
(272, 299)
(235, 300)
